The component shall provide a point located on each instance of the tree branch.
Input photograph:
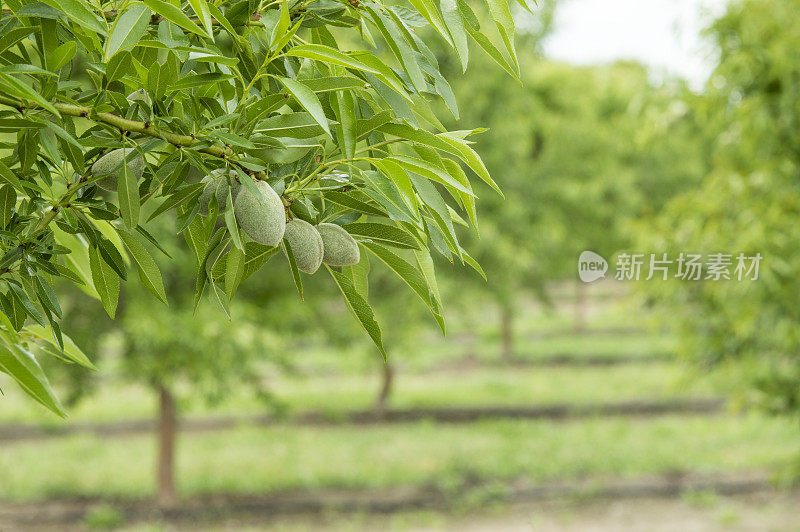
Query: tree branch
(123, 124)
(155, 19)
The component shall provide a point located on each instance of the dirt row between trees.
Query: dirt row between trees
(700, 406)
(65, 514)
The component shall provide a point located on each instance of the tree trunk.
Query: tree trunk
(387, 380)
(166, 448)
(581, 305)
(507, 329)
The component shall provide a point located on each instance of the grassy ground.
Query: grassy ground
(335, 393)
(262, 460)
(250, 460)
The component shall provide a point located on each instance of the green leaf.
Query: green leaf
(279, 30)
(179, 197)
(446, 142)
(196, 80)
(473, 263)
(234, 270)
(329, 55)
(298, 282)
(220, 300)
(501, 14)
(118, 66)
(473, 28)
(20, 296)
(47, 296)
(346, 130)
(176, 16)
(294, 125)
(14, 87)
(359, 274)
(428, 9)
(71, 350)
(12, 37)
(200, 8)
(256, 256)
(400, 48)
(425, 265)
(383, 233)
(195, 236)
(408, 273)
(127, 30)
(425, 169)
(217, 14)
(105, 280)
(383, 191)
(471, 157)
(230, 222)
(8, 201)
(346, 199)
(359, 308)
(80, 11)
(26, 371)
(158, 80)
(334, 83)
(148, 269)
(11, 178)
(455, 24)
(128, 193)
(308, 100)
(62, 55)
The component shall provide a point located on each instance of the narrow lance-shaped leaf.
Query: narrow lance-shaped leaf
(8, 200)
(23, 368)
(128, 193)
(359, 308)
(128, 28)
(175, 15)
(148, 269)
(298, 282)
(308, 100)
(105, 281)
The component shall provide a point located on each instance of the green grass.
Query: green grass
(263, 460)
(335, 393)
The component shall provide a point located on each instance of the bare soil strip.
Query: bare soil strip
(700, 406)
(65, 513)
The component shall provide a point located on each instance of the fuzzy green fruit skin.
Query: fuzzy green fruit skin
(105, 165)
(263, 222)
(306, 243)
(341, 249)
(219, 186)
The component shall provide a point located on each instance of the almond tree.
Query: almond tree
(294, 110)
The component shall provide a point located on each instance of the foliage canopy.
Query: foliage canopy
(329, 102)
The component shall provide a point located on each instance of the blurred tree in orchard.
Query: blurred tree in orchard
(747, 203)
(583, 152)
(313, 142)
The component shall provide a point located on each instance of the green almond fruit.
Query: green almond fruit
(219, 186)
(262, 219)
(110, 166)
(340, 249)
(306, 244)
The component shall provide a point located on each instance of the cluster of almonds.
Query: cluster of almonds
(262, 221)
